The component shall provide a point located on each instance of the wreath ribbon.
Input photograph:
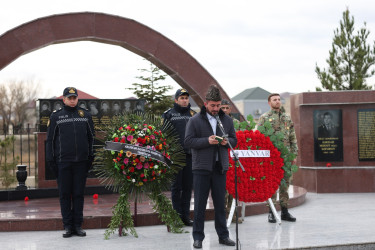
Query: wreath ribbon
(149, 153)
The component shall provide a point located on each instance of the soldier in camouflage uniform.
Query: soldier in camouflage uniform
(280, 121)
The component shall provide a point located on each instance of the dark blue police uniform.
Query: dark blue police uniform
(69, 150)
(181, 187)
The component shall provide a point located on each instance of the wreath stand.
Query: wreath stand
(232, 208)
(138, 153)
(255, 145)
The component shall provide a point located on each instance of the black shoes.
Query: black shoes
(187, 221)
(271, 217)
(79, 232)
(285, 215)
(68, 232)
(227, 242)
(197, 244)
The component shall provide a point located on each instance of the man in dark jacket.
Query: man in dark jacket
(69, 152)
(210, 163)
(181, 187)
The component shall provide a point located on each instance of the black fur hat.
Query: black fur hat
(213, 94)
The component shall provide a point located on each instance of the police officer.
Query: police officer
(282, 122)
(181, 187)
(69, 152)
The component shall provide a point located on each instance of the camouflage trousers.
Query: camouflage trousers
(283, 194)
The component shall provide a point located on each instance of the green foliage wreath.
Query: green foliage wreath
(277, 140)
(141, 157)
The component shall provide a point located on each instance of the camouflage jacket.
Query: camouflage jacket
(280, 121)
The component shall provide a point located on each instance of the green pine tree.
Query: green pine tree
(350, 59)
(151, 91)
(6, 165)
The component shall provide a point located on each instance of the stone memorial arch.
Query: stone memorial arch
(112, 30)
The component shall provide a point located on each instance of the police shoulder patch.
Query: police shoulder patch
(81, 113)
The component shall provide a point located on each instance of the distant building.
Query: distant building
(286, 97)
(253, 102)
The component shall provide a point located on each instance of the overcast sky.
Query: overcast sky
(242, 44)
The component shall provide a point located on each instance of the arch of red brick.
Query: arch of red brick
(114, 30)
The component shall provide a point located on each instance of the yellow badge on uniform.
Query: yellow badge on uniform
(48, 122)
(81, 113)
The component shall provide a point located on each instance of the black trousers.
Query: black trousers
(181, 189)
(71, 181)
(203, 182)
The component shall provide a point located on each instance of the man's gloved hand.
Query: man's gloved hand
(53, 166)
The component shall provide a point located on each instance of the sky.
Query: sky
(243, 44)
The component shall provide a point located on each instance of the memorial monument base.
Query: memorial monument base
(335, 134)
(45, 177)
(336, 179)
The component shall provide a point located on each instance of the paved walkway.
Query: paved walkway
(324, 221)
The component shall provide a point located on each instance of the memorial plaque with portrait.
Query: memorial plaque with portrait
(45, 110)
(366, 134)
(328, 142)
(102, 110)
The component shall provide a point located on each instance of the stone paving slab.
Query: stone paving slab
(324, 221)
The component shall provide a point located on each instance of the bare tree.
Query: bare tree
(15, 96)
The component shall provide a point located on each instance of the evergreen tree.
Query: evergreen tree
(154, 94)
(350, 60)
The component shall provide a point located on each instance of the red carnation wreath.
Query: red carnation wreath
(262, 175)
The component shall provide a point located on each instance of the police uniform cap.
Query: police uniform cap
(225, 102)
(181, 92)
(70, 91)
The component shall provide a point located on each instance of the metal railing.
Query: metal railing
(24, 148)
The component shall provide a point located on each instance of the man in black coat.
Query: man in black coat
(210, 164)
(69, 152)
(181, 187)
